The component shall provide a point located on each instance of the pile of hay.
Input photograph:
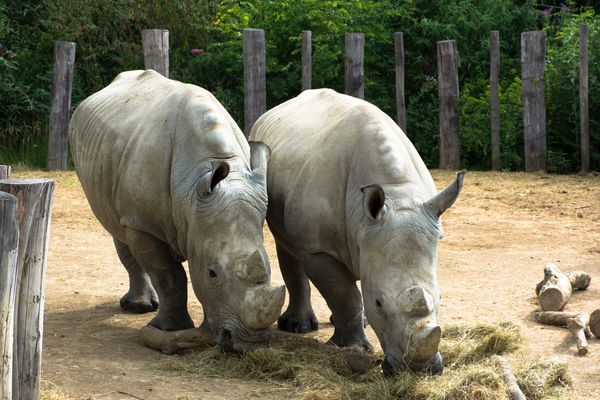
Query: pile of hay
(317, 371)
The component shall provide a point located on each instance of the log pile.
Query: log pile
(554, 292)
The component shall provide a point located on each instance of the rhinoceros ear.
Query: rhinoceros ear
(219, 171)
(260, 155)
(373, 201)
(444, 199)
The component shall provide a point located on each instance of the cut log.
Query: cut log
(170, 342)
(579, 280)
(512, 387)
(595, 323)
(554, 291)
(577, 327)
(556, 318)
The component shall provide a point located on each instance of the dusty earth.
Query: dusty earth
(498, 237)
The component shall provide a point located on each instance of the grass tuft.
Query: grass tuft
(317, 371)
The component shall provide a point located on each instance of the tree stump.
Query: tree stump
(595, 323)
(9, 240)
(34, 200)
(554, 291)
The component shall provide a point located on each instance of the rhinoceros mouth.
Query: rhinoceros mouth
(391, 365)
(241, 340)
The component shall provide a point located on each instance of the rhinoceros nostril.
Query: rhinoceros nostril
(223, 339)
(388, 369)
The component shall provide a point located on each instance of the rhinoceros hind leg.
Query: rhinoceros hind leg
(299, 316)
(338, 287)
(167, 276)
(141, 297)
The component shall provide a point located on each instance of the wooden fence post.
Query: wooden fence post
(9, 239)
(62, 83)
(255, 83)
(155, 43)
(354, 65)
(306, 60)
(494, 98)
(34, 200)
(448, 63)
(533, 51)
(5, 171)
(399, 59)
(584, 110)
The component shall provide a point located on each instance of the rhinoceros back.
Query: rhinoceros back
(325, 146)
(138, 141)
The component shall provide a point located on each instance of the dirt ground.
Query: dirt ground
(499, 235)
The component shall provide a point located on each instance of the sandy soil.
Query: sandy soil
(498, 237)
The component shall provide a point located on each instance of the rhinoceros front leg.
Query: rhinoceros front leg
(141, 297)
(168, 278)
(299, 316)
(338, 287)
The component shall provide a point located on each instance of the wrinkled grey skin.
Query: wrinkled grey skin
(350, 199)
(171, 177)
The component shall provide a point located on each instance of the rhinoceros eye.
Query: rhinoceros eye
(212, 272)
(378, 304)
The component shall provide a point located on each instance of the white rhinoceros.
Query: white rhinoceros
(350, 199)
(171, 177)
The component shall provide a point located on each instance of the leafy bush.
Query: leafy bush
(206, 49)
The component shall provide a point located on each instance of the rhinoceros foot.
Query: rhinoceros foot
(139, 304)
(349, 338)
(172, 322)
(298, 322)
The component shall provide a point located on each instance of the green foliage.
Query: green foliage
(108, 37)
(562, 89)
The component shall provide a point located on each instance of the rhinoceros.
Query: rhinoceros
(171, 177)
(350, 199)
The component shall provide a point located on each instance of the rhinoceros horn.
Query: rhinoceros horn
(424, 343)
(260, 155)
(254, 270)
(444, 199)
(262, 306)
(415, 302)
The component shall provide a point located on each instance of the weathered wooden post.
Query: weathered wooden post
(584, 110)
(306, 60)
(155, 43)
(62, 83)
(5, 171)
(448, 63)
(34, 200)
(9, 239)
(354, 65)
(255, 83)
(494, 98)
(399, 59)
(533, 52)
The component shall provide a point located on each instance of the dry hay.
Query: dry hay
(313, 370)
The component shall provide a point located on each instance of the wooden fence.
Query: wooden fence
(25, 206)
(156, 56)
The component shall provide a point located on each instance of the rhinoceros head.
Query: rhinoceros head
(398, 272)
(229, 268)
